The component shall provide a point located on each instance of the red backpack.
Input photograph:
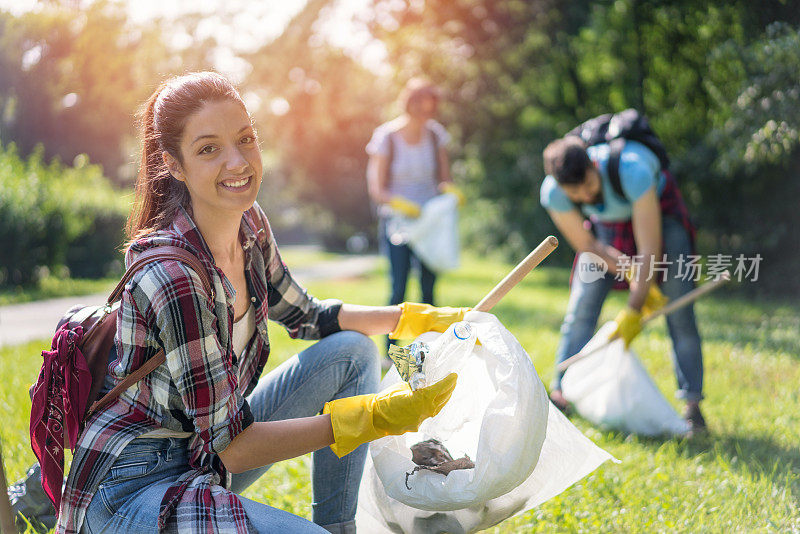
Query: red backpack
(74, 370)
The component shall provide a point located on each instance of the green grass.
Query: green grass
(52, 287)
(744, 477)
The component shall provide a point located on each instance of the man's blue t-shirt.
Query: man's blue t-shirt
(639, 171)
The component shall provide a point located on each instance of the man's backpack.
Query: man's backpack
(615, 129)
(74, 371)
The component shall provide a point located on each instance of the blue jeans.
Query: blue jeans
(586, 300)
(401, 259)
(341, 365)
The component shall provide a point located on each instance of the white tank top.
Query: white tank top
(243, 331)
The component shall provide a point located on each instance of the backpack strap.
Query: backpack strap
(145, 258)
(390, 156)
(165, 252)
(436, 167)
(615, 145)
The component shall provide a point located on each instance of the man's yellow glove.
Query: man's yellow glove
(405, 207)
(453, 189)
(394, 411)
(417, 319)
(629, 324)
(655, 299)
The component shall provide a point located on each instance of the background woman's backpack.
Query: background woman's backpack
(74, 370)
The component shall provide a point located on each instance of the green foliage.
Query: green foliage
(52, 214)
(72, 79)
(756, 116)
(318, 109)
(718, 82)
(744, 477)
(755, 137)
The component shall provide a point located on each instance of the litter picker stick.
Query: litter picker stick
(517, 274)
(689, 297)
(678, 303)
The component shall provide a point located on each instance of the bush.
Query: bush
(52, 216)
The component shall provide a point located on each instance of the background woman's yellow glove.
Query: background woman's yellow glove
(629, 324)
(394, 411)
(453, 189)
(405, 207)
(417, 319)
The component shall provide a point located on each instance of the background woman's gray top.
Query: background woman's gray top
(413, 167)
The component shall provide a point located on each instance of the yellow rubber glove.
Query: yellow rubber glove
(394, 411)
(453, 189)
(417, 319)
(655, 299)
(629, 324)
(405, 207)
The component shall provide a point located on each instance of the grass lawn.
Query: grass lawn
(744, 477)
(52, 287)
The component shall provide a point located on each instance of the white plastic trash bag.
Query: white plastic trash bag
(433, 236)
(611, 388)
(525, 451)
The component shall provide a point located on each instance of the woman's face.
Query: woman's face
(427, 107)
(221, 159)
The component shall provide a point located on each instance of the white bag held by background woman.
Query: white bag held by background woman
(433, 236)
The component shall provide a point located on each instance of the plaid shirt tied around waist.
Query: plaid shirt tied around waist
(622, 238)
(202, 385)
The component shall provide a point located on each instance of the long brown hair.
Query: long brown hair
(162, 121)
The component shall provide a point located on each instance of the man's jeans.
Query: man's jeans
(586, 300)
(341, 365)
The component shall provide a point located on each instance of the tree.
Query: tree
(319, 107)
(73, 79)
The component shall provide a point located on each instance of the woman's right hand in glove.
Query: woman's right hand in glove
(394, 411)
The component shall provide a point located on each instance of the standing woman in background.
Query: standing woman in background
(408, 166)
(174, 452)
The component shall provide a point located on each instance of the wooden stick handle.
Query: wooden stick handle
(517, 274)
(678, 303)
(689, 297)
(561, 367)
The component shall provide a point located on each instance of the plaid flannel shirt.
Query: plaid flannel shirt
(202, 385)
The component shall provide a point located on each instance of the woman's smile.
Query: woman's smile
(237, 185)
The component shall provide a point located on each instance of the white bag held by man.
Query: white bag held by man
(433, 236)
(524, 450)
(612, 389)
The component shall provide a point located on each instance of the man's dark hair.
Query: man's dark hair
(566, 160)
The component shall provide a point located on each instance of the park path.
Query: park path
(20, 323)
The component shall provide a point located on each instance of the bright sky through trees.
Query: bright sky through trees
(244, 26)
